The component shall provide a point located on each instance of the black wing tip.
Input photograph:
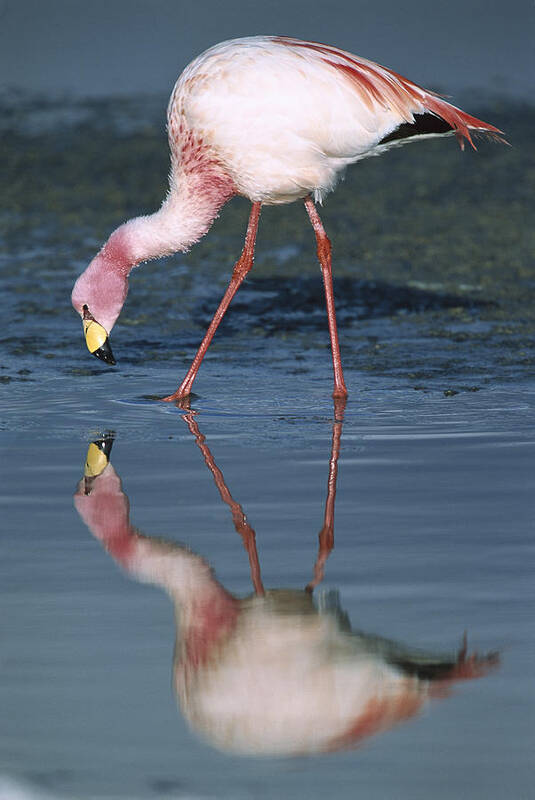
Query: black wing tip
(423, 125)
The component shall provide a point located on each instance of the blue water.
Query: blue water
(433, 530)
(433, 537)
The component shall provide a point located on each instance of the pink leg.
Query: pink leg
(238, 516)
(326, 535)
(324, 255)
(241, 268)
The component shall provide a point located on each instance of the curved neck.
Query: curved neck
(193, 203)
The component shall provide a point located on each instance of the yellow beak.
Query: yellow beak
(97, 459)
(97, 341)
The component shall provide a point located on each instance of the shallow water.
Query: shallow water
(434, 502)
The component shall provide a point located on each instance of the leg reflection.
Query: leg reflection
(238, 517)
(326, 535)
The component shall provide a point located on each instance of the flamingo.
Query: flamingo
(273, 673)
(273, 119)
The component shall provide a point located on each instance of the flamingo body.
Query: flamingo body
(289, 681)
(273, 673)
(275, 120)
(285, 117)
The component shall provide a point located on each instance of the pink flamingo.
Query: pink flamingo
(270, 674)
(275, 120)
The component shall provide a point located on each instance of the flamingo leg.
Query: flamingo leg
(241, 268)
(326, 534)
(324, 256)
(239, 519)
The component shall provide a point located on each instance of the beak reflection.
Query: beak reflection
(96, 461)
(97, 340)
(98, 456)
(276, 673)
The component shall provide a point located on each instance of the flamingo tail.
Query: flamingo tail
(425, 113)
(460, 122)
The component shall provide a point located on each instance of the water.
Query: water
(434, 504)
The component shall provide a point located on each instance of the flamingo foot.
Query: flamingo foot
(340, 392)
(183, 394)
(181, 400)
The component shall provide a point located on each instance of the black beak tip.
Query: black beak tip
(105, 443)
(105, 354)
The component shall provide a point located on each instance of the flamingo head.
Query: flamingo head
(98, 296)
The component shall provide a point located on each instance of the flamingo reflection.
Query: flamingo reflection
(275, 673)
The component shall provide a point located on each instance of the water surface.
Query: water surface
(434, 506)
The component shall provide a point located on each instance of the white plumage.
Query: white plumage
(286, 117)
(276, 120)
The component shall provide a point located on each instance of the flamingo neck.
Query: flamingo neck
(193, 203)
(205, 612)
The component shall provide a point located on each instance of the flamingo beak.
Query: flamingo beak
(96, 339)
(97, 459)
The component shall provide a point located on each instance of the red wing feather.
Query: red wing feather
(378, 84)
